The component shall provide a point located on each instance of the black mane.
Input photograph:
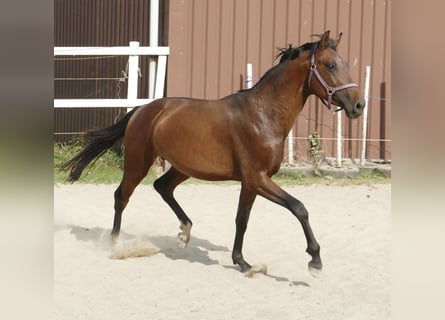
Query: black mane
(291, 53)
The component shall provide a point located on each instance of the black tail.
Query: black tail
(98, 141)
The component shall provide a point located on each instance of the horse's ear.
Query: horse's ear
(324, 40)
(337, 40)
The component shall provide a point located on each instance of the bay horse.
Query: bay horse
(239, 137)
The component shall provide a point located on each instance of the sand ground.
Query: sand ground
(351, 223)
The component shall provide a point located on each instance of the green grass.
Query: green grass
(109, 169)
(105, 170)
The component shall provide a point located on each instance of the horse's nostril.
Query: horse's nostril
(359, 106)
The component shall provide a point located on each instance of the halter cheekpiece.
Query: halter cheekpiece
(329, 90)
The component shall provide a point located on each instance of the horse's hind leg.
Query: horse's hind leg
(165, 185)
(136, 168)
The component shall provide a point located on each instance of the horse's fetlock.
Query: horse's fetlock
(313, 249)
(237, 257)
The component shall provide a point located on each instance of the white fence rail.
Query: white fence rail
(133, 51)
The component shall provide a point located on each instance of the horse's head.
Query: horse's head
(329, 78)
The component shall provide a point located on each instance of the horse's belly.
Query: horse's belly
(208, 163)
(196, 147)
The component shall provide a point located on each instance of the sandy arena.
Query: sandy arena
(145, 275)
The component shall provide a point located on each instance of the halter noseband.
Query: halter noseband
(329, 90)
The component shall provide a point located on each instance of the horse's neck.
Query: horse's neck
(283, 94)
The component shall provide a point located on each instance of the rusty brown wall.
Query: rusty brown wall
(211, 41)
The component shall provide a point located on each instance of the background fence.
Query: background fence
(81, 23)
(211, 42)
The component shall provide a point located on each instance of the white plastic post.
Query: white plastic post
(365, 115)
(249, 76)
(154, 27)
(160, 77)
(133, 65)
(290, 147)
(339, 141)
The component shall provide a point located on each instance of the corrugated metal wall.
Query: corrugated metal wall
(98, 23)
(211, 41)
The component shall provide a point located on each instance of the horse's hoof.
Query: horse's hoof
(184, 236)
(114, 238)
(182, 240)
(245, 267)
(315, 268)
(257, 268)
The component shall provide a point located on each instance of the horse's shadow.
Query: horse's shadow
(197, 249)
(96, 235)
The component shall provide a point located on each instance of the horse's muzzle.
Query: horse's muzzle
(356, 110)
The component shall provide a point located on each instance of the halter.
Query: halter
(329, 90)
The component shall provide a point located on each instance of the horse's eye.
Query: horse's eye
(330, 66)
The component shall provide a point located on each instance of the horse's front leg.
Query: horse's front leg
(268, 189)
(246, 199)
